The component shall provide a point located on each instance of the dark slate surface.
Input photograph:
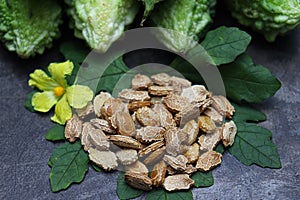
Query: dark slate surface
(25, 152)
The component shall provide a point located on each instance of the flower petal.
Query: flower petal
(42, 81)
(79, 95)
(60, 70)
(43, 101)
(63, 111)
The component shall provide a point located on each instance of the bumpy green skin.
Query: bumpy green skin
(101, 22)
(269, 17)
(188, 19)
(28, 27)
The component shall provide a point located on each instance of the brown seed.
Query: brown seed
(158, 173)
(147, 117)
(161, 79)
(204, 104)
(107, 160)
(178, 182)
(206, 124)
(140, 82)
(160, 90)
(138, 168)
(190, 169)
(134, 105)
(112, 106)
(175, 103)
(150, 134)
(210, 141)
(152, 147)
(179, 84)
(223, 106)
(155, 155)
(229, 131)
(125, 141)
(136, 123)
(127, 156)
(191, 129)
(134, 95)
(138, 181)
(124, 124)
(150, 128)
(172, 171)
(99, 101)
(174, 138)
(156, 100)
(192, 153)
(178, 163)
(102, 125)
(73, 128)
(199, 96)
(165, 117)
(214, 115)
(184, 116)
(86, 111)
(196, 93)
(98, 139)
(85, 141)
(208, 160)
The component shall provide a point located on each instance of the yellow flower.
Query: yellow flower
(56, 91)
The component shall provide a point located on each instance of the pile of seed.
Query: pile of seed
(159, 132)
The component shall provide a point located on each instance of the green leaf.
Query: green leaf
(244, 80)
(112, 75)
(220, 148)
(96, 168)
(253, 145)
(225, 44)
(69, 164)
(124, 191)
(75, 51)
(149, 6)
(245, 113)
(203, 179)
(27, 103)
(56, 133)
(161, 194)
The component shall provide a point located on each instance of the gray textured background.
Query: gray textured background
(24, 152)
